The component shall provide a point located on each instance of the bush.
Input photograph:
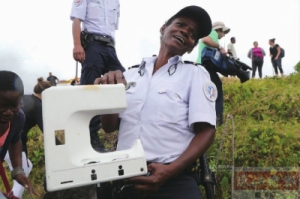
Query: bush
(266, 116)
(297, 67)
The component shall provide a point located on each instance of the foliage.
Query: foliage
(266, 117)
(297, 67)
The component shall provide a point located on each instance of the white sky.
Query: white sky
(36, 35)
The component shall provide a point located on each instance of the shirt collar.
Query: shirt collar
(173, 60)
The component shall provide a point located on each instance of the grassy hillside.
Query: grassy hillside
(266, 116)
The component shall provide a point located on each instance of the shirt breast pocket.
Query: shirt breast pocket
(173, 103)
(133, 101)
(132, 96)
(95, 11)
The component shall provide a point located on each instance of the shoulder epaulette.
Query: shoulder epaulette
(190, 62)
(135, 66)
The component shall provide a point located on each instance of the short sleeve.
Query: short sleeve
(17, 126)
(39, 116)
(118, 17)
(214, 36)
(202, 96)
(78, 9)
(263, 52)
(249, 53)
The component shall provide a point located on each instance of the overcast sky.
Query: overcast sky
(36, 36)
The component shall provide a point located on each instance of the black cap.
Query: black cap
(199, 15)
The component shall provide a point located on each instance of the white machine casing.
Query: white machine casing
(75, 163)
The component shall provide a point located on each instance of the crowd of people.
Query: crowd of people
(173, 108)
(257, 54)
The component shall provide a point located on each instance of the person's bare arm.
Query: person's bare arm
(209, 42)
(15, 154)
(111, 122)
(278, 52)
(250, 54)
(78, 51)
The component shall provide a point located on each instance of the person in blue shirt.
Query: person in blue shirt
(100, 19)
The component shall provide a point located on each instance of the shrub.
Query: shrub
(266, 116)
(297, 67)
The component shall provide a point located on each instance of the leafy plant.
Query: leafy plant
(267, 124)
(297, 67)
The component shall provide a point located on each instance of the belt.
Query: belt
(123, 190)
(103, 39)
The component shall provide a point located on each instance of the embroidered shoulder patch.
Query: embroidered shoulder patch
(210, 91)
(77, 2)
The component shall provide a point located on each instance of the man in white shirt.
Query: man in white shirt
(231, 48)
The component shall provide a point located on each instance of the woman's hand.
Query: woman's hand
(25, 182)
(112, 77)
(148, 184)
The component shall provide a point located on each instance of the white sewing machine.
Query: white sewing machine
(67, 112)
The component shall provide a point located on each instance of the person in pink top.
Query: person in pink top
(256, 54)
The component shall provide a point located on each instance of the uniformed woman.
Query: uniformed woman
(170, 108)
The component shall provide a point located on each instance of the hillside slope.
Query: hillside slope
(266, 116)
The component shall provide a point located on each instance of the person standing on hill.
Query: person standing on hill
(212, 40)
(52, 79)
(275, 51)
(231, 48)
(256, 54)
(94, 46)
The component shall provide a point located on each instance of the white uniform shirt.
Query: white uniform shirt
(231, 48)
(161, 109)
(99, 16)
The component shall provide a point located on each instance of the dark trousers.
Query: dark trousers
(181, 187)
(257, 64)
(99, 59)
(277, 64)
(220, 99)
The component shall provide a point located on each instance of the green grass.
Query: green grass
(266, 116)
